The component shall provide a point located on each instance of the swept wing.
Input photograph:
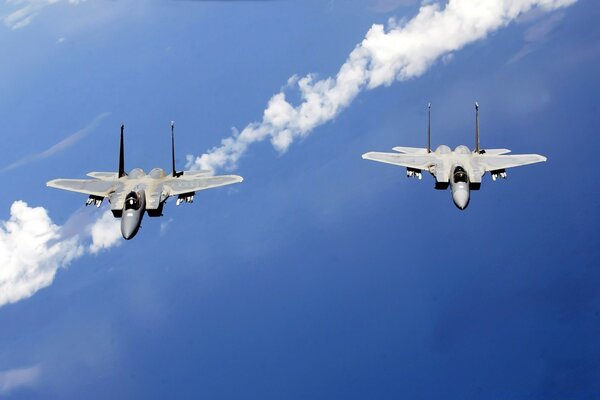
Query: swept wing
(91, 187)
(190, 183)
(500, 162)
(410, 160)
(419, 161)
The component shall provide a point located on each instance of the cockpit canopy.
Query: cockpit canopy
(460, 175)
(132, 201)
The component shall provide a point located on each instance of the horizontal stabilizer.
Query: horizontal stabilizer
(410, 150)
(105, 176)
(204, 172)
(496, 152)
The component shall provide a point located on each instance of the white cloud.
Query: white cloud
(164, 226)
(537, 34)
(17, 378)
(33, 248)
(28, 9)
(402, 51)
(105, 233)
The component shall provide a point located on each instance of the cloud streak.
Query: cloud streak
(399, 52)
(18, 378)
(60, 146)
(33, 248)
(28, 9)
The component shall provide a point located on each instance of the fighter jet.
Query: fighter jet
(461, 169)
(130, 195)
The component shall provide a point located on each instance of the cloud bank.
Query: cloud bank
(399, 52)
(33, 248)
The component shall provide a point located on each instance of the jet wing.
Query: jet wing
(498, 162)
(412, 160)
(87, 186)
(410, 150)
(422, 161)
(187, 184)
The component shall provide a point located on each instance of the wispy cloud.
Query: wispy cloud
(60, 146)
(27, 10)
(402, 51)
(164, 226)
(537, 34)
(18, 378)
(33, 248)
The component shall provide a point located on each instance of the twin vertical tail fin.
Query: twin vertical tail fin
(477, 147)
(122, 156)
(174, 171)
(429, 128)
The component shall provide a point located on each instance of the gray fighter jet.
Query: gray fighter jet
(132, 194)
(461, 169)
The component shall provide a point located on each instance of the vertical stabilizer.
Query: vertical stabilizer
(122, 156)
(429, 128)
(477, 148)
(174, 171)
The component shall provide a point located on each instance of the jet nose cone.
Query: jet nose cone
(127, 234)
(461, 199)
(129, 226)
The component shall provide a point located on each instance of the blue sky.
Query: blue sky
(322, 275)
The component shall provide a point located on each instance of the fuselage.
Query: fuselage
(135, 187)
(133, 212)
(461, 169)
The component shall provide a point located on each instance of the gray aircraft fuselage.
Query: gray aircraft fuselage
(133, 212)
